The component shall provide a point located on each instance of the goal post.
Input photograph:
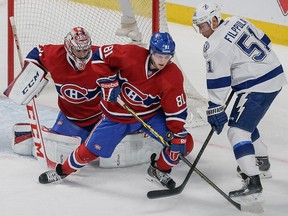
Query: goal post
(48, 21)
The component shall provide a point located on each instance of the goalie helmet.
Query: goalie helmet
(78, 46)
(162, 43)
(205, 12)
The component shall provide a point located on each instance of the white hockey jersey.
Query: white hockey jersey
(239, 56)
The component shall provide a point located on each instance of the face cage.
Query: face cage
(80, 64)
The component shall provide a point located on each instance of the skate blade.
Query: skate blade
(58, 181)
(265, 175)
(155, 182)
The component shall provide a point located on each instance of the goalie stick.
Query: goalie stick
(32, 114)
(254, 208)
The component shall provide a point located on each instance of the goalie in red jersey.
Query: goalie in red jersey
(150, 84)
(69, 65)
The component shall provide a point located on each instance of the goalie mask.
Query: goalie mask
(205, 12)
(78, 46)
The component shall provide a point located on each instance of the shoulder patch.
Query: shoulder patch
(206, 46)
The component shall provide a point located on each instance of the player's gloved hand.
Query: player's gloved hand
(178, 145)
(216, 116)
(109, 90)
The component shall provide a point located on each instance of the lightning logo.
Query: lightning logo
(241, 104)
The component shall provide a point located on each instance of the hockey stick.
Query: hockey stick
(32, 113)
(248, 208)
(254, 208)
(177, 190)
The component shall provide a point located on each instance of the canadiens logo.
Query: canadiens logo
(76, 94)
(136, 97)
(283, 4)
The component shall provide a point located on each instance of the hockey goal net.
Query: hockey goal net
(48, 21)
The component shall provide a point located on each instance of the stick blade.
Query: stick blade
(164, 193)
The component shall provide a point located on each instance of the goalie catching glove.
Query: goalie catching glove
(110, 88)
(217, 117)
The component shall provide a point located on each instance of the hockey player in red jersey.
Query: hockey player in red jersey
(78, 93)
(149, 83)
(69, 66)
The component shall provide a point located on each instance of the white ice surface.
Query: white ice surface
(105, 192)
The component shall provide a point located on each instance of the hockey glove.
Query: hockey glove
(178, 145)
(110, 90)
(216, 116)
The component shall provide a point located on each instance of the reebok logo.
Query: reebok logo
(109, 85)
(283, 4)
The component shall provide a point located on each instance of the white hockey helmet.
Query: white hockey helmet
(205, 12)
(77, 40)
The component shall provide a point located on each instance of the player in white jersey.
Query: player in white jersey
(239, 56)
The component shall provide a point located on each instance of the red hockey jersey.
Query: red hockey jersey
(143, 90)
(78, 92)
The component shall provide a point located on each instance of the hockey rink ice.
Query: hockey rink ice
(122, 191)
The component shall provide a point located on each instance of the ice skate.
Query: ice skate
(52, 176)
(160, 177)
(264, 167)
(251, 192)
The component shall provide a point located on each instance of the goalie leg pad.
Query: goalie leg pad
(58, 147)
(129, 29)
(133, 150)
(22, 141)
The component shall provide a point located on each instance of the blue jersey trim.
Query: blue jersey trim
(243, 148)
(34, 54)
(219, 83)
(249, 83)
(266, 40)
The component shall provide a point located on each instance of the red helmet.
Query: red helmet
(78, 46)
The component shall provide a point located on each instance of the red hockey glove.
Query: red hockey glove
(110, 90)
(178, 145)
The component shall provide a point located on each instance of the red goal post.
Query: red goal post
(48, 21)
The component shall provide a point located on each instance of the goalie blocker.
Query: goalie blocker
(28, 84)
(134, 149)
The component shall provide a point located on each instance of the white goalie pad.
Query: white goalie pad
(134, 149)
(22, 141)
(29, 83)
(129, 26)
(57, 146)
(129, 29)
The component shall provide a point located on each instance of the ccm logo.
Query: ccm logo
(109, 85)
(31, 83)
